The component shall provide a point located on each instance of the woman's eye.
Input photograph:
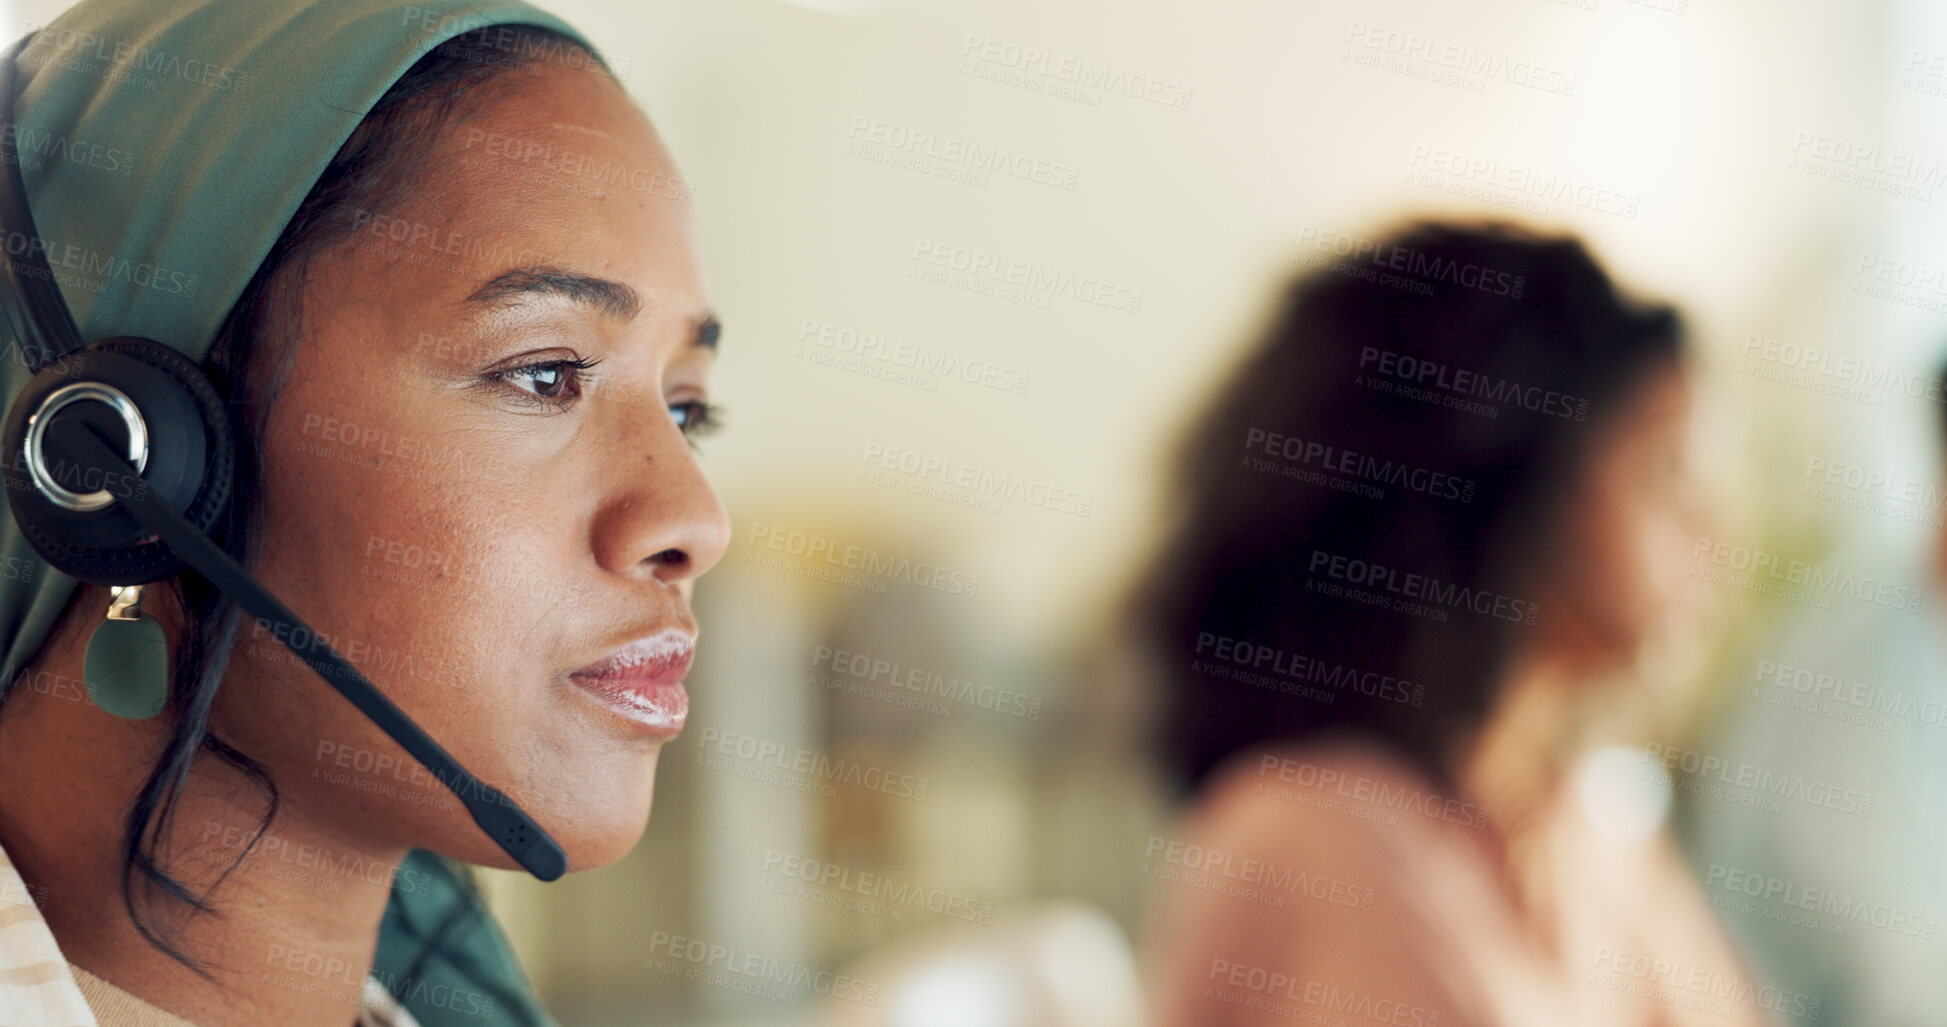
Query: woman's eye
(553, 382)
(694, 417)
(548, 379)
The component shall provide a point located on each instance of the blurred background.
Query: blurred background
(918, 729)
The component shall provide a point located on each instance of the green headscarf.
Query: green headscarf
(165, 145)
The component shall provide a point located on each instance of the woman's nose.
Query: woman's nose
(663, 518)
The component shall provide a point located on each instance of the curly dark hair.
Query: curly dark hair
(1417, 408)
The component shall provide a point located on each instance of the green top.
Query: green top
(469, 974)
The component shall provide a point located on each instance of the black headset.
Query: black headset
(118, 460)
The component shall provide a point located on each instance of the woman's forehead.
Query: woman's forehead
(560, 188)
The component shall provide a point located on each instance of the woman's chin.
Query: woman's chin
(598, 815)
(601, 837)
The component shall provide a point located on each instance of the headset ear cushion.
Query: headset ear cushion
(212, 496)
(191, 462)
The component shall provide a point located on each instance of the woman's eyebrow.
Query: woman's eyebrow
(708, 328)
(613, 298)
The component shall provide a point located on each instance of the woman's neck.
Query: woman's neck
(298, 917)
(1518, 761)
(1518, 767)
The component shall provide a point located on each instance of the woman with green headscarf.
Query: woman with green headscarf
(441, 269)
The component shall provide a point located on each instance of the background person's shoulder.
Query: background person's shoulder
(1341, 801)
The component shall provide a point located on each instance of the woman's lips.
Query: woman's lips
(643, 681)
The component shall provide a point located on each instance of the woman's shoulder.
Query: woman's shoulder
(1337, 792)
(1314, 862)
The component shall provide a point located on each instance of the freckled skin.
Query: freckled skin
(559, 535)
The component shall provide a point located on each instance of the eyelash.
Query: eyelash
(702, 418)
(581, 365)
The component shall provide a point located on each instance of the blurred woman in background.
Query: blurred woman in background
(1445, 497)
